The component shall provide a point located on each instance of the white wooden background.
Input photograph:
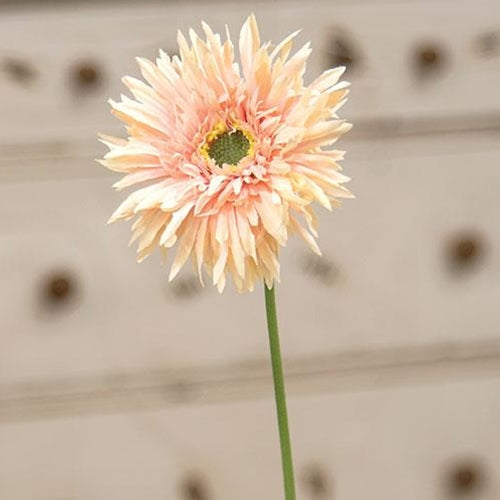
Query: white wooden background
(129, 387)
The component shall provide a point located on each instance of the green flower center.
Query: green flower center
(229, 147)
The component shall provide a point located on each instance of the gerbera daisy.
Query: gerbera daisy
(232, 154)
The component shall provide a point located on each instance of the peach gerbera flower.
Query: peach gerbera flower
(232, 154)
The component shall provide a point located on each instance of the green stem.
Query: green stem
(279, 392)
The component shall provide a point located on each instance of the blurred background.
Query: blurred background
(115, 385)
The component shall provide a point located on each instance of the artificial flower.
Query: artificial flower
(230, 155)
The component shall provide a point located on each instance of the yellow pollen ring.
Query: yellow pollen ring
(217, 131)
(250, 138)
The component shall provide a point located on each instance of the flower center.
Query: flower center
(227, 146)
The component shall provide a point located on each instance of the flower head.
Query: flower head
(231, 154)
